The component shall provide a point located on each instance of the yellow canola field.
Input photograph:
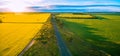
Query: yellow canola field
(14, 37)
(72, 15)
(26, 17)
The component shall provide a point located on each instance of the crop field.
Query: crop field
(101, 34)
(73, 15)
(14, 37)
(26, 17)
(94, 34)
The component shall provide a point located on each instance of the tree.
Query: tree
(0, 21)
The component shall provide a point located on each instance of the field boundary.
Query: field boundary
(33, 39)
(29, 44)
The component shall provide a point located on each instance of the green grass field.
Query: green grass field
(100, 34)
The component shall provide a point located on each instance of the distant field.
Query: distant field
(100, 34)
(26, 17)
(75, 16)
(15, 36)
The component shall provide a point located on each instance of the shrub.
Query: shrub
(0, 21)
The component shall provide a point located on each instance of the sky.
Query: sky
(24, 5)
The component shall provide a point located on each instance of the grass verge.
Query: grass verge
(45, 43)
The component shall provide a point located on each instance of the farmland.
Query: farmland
(83, 34)
(45, 44)
(15, 35)
(24, 17)
(92, 36)
(74, 15)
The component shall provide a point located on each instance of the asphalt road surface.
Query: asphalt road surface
(62, 46)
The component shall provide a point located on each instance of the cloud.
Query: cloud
(79, 2)
(23, 5)
(108, 8)
(17, 5)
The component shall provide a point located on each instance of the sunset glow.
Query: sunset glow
(18, 5)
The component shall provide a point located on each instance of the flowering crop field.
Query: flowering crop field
(26, 17)
(71, 15)
(14, 37)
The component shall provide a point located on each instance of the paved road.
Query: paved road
(62, 46)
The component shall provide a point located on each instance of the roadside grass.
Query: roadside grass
(92, 36)
(45, 43)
